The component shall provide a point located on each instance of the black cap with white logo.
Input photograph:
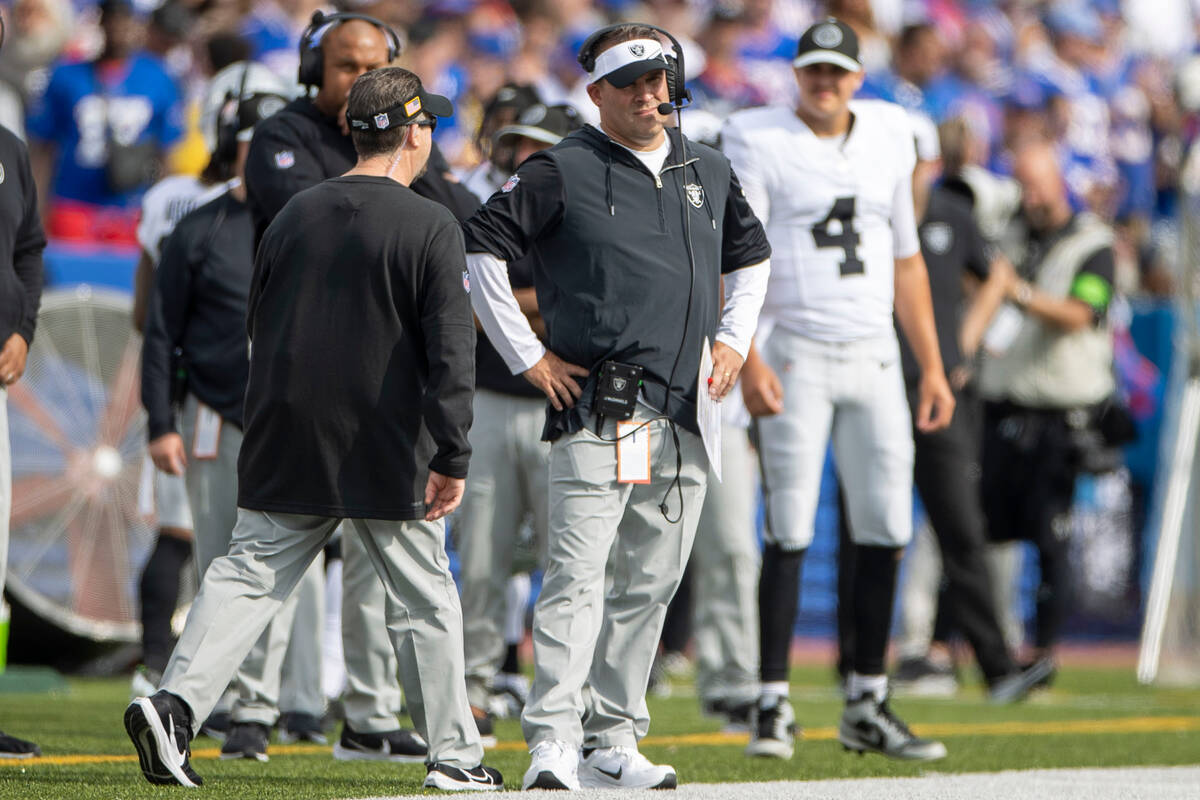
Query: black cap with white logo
(829, 42)
(546, 124)
(403, 113)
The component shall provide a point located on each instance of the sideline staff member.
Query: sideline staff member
(1041, 383)
(21, 244)
(198, 310)
(305, 143)
(361, 369)
(632, 231)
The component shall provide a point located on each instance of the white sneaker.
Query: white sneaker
(623, 768)
(555, 765)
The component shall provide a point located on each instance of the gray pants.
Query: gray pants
(372, 694)
(509, 480)
(212, 494)
(724, 571)
(581, 636)
(270, 553)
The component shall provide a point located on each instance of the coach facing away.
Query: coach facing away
(357, 407)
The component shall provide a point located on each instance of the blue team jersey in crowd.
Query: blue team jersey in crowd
(140, 103)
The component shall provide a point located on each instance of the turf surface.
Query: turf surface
(1092, 717)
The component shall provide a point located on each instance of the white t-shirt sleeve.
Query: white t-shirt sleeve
(500, 315)
(748, 167)
(745, 290)
(905, 241)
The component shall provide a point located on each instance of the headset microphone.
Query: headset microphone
(666, 108)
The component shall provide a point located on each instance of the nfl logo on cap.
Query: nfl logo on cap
(382, 121)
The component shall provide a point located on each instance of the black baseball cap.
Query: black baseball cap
(829, 42)
(403, 113)
(546, 124)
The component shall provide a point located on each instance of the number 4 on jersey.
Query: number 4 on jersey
(845, 237)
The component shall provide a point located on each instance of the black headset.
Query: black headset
(677, 90)
(312, 60)
(227, 126)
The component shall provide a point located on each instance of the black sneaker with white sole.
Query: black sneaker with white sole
(160, 727)
(297, 726)
(456, 779)
(772, 728)
(400, 746)
(246, 740)
(12, 747)
(871, 725)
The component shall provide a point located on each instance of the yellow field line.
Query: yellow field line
(948, 729)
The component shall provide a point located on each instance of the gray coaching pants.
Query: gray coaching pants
(212, 494)
(372, 695)
(580, 635)
(510, 475)
(270, 553)
(725, 564)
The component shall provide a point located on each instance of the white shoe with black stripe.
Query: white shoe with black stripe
(160, 728)
(455, 779)
(554, 764)
(623, 768)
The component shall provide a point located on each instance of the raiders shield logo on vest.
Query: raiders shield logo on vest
(695, 194)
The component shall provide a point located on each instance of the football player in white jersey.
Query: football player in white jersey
(831, 179)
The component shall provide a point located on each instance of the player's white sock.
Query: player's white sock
(774, 689)
(860, 686)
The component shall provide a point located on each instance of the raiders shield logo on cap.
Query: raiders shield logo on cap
(695, 194)
(828, 36)
(638, 50)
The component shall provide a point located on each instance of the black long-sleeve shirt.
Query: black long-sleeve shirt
(199, 306)
(362, 354)
(21, 241)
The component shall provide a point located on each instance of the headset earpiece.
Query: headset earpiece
(312, 60)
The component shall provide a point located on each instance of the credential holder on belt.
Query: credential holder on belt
(616, 393)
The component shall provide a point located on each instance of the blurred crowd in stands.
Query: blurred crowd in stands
(108, 94)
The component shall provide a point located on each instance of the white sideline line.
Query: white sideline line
(1127, 783)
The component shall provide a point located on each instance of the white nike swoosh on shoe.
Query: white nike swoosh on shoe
(172, 758)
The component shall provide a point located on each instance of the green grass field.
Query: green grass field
(1093, 717)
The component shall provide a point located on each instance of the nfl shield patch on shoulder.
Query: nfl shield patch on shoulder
(285, 159)
(510, 184)
(467, 281)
